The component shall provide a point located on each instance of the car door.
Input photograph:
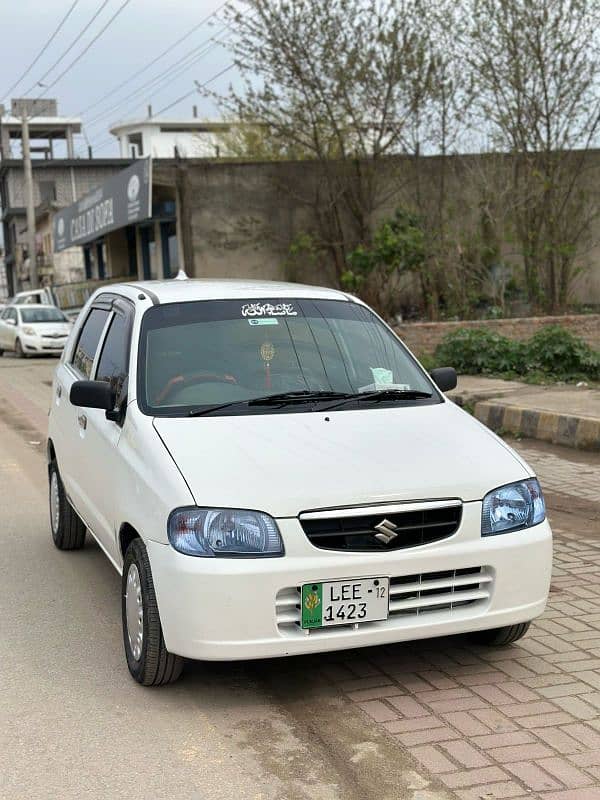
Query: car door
(9, 329)
(101, 432)
(67, 421)
(3, 329)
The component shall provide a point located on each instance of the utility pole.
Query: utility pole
(31, 247)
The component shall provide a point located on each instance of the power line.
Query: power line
(87, 47)
(194, 91)
(105, 143)
(176, 69)
(43, 50)
(70, 47)
(155, 60)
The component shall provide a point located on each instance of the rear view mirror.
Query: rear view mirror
(93, 394)
(445, 378)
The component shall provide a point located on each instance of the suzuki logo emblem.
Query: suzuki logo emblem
(387, 531)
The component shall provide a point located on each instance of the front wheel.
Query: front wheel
(19, 352)
(500, 637)
(148, 659)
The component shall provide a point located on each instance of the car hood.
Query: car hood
(49, 328)
(287, 463)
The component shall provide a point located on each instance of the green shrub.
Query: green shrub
(479, 351)
(557, 351)
(551, 354)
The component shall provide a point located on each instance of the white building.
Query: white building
(164, 138)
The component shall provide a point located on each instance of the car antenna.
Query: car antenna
(181, 275)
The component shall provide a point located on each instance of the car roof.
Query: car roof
(25, 306)
(190, 289)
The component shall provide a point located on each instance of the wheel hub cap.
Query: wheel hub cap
(54, 502)
(134, 612)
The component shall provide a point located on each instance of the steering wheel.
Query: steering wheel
(181, 381)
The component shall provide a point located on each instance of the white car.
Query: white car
(33, 330)
(272, 473)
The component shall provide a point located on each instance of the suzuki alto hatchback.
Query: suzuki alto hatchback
(272, 473)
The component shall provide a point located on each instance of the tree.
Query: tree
(536, 69)
(335, 82)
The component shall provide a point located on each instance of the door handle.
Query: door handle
(82, 420)
(59, 391)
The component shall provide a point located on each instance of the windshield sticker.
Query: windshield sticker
(264, 321)
(382, 376)
(269, 310)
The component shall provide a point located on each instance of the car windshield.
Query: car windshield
(42, 315)
(213, 352)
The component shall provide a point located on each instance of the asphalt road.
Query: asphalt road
(73, 724)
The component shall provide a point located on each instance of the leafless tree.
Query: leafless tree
(536, 69)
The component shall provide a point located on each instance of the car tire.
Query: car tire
(501, 637)
(68, 530)
(19, 352)
(148, 659)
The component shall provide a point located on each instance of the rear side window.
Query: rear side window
(83, 358)
(113, 365)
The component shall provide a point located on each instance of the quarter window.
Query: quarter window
(83, 358)
(113, 365)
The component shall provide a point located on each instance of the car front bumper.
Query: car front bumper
(40, 344)
(223, 609)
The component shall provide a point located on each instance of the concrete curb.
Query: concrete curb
(582, 433)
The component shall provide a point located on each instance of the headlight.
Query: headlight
(512, 507)
(211, 532)
(28, 331)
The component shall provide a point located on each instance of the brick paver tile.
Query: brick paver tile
(528, 709)
(433, 759)
(559, 740)
(378, 711)
(590, 793)
(462, 704)
(526, 752)
(577, 707)
(438, 679)
(506, 789)
(533, 777)
(431, 736)
(544, 720)
(496, 721)
(378, 693)
(409, 707)
(487, 775)
(584, 734)
(466, 723)
(503, 739)
(466, 754)
(564, 689)
(493, 694)
(519, 692)
(572, 777)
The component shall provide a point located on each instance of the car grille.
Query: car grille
(358, 533)
(447, 592)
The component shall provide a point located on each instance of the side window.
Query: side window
(12, 314)
(113, 366)
(83, 357)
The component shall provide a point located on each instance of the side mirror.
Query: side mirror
(445, 378)
(10, 321)
(93, 394)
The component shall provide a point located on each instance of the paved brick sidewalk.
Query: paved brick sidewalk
(559, 474)
(522, 721)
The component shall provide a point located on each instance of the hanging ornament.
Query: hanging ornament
(267, 353)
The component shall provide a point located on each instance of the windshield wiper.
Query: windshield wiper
(198, 412)
(302, 396)
(380, 395)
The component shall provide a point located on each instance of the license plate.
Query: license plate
(344, 602)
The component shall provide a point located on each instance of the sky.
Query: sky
(141, 32)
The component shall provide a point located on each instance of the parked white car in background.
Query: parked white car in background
(273, 473)
(33, 330)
